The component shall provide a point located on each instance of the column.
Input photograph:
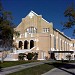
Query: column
(52, 42)
(23, 45)
(65, 45)
(60, 45)
(29, 44)
(17, 44)
(57, 43)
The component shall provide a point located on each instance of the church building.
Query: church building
(38, 35)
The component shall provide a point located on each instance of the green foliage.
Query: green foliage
(21, 56)
(70, 15)
(35, 56)
(14, 63)
(17, 33)
(68, 57)
(36, 70)
(6, 27)
(30, 56)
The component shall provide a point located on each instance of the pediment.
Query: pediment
(31, 14)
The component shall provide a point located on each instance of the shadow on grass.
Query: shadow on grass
(63, 66)
(0, 67)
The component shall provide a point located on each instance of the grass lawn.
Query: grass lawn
(37, 70)
(40, 69)
(13, 63)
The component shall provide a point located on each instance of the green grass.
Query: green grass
(37, 70)
(14, 63)
(72, 61)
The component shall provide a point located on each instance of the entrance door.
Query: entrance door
(52, 56)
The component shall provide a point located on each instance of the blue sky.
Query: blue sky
(51, 10)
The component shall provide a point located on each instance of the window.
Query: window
(31, 30)
(61, 44)
(20, 44)
(25, 44)
(55, 43)
(64, 45)
(46, 30)
(73, 45)
(31, 44)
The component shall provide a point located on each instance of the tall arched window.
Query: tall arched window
(20, 44)
(54, 42)
(26, 44)
(31, 30)
(31, 44)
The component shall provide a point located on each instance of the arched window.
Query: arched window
(31, 44)
(54, 42)
(26, 44)
(20, 44)
(31, 30)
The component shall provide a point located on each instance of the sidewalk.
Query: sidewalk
(19, 67)
(16, 68)
(67, 70)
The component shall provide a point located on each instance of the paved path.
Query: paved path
(19, 67)
(67, 70)
(12, 69)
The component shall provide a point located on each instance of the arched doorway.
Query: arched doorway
(26, 44)
(20, 44)
(31, 44)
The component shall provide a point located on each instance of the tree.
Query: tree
(68, 57)
(70, 15)
(6, 27)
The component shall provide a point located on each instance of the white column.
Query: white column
(52, 42)
(60, 44)
(57, 43)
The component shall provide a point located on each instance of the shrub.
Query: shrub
(30, 56)
(46, 57)
(35, 56)
(68, 57)
(21, 56)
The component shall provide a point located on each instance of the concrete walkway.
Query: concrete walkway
(12, 69)
(66, 70)
(9, 70)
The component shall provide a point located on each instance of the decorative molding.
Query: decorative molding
(52, 35)
(31, 14)
(36, 40)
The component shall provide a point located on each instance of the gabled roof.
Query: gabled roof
(32, 13)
